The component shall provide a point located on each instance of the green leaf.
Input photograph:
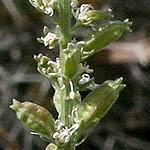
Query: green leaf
(71, 65)
(70, 61)
(36, 117)
(98, 102)
(104, 36)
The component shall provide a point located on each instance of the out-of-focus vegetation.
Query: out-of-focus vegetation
(126, 126)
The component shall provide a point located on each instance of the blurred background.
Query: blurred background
(126, 126)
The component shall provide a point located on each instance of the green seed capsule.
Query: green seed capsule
(104, 36)
(98, 102)
(36, 117)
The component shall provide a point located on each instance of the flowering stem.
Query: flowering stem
(70, 76)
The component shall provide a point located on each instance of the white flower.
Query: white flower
(49, 40)
(64, 133)
(45, 6)
(83, 12)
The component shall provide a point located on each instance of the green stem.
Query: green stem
(65, 25)
(65, 111)
(65, 22)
